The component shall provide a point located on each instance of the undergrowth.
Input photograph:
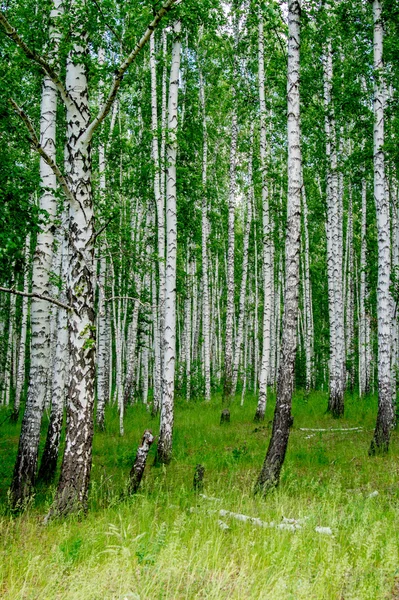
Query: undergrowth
(168, 543)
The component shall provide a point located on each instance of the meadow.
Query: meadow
(169, 542)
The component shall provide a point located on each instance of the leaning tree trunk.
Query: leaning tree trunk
(164, 449)
(385, 416)
(26, 463)
(271, 469)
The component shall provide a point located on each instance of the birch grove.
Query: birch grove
(194, 221)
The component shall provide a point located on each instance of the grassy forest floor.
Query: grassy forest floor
(167, 542)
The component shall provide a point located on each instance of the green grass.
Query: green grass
(166, 542)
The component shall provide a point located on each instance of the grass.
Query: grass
(167, 543)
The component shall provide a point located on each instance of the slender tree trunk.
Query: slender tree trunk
(334, 252)
(243, 290)
(267, 238)
(228, 350)
(49, 460)
(385, 416)
(22, 344)
(26, 462)
(274, 460)
(159, 178)
(204, 250)
(103, 349)
(309, 343)
(164, 450)
(364, 365)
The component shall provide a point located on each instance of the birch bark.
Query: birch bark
(267, 240)
(243, 290)
(228, 350)
(22, 343)
(271, 469)
(48, 464)
(26, 462)
(334, 252)
(204, 250)
(385, 416)
(164, 450)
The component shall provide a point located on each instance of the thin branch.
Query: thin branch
(126, 298)
(35, 295)
(112, 30)
(106, 107)
(99, 231)
(35, 57)
(36, 144)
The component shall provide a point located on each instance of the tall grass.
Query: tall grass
(167, 542)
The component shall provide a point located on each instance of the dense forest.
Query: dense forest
(200, 241)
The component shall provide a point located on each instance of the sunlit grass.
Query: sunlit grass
(166, 542)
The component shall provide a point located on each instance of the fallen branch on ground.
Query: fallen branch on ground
(333, 429)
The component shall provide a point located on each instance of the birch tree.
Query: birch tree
(164, 449)
(270, 473)
(385, 416)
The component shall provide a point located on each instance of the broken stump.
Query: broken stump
(198, 483)
(136, 474)
(225, 416)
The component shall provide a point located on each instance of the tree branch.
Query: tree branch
(36, 144)
(127, 298)
(106, 107)
(35, 57)
(35, 295)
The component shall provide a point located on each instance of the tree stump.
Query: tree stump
(225, 416)
(198, 483)
(136, 474)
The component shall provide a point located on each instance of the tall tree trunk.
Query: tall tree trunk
(385, 416)
(26, 462)
(243, 290)
(274, 460)
(159, 178)
(204, 250)
(267, 237)
(228, 350)
(334, 251)
(364, 364)
(76, 465)
(164, 450)
(309, 343)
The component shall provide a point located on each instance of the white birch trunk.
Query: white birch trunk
(49, 459)
(26, 462)
(228, 350)
(270, 473)
(243, 289)
(22, 343)
(164, 450)
(334, 252)
(385, 416)
(267, 238)
(204, 250)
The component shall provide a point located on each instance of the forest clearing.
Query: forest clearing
(199, 291)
